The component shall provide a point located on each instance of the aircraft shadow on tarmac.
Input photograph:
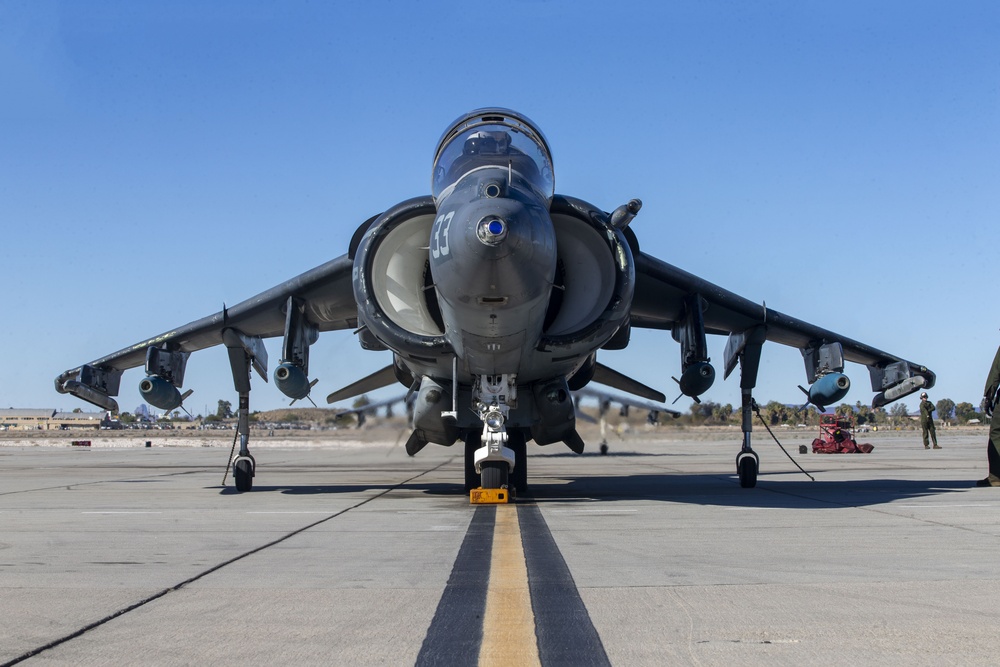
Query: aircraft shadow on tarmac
(724, 491)
(610, 454)
(695, 489)
(434, 489)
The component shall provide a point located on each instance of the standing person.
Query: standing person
(927, 420)
(993, 445)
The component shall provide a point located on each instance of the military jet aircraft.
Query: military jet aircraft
(604, 402)
(363, 411)
(494, 295)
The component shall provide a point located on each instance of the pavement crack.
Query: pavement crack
(215, 568)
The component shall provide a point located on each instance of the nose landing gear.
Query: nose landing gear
(500, 461)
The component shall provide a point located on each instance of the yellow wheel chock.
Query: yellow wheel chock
(483, 496)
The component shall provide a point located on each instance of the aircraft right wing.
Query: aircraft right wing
(321, 299)
(667, 297)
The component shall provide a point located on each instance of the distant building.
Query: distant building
(48, 420)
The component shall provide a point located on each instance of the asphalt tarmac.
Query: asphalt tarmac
(355, 554)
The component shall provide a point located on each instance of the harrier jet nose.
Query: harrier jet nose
(492, 231)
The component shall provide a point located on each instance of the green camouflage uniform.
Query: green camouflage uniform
(927, 421)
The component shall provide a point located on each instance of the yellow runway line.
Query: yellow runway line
(509, 624)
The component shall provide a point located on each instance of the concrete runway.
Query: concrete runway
(652, 555)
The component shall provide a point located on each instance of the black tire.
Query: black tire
(519, 478)
(495, 474)
(472, 443)
(243, 475)
(748, 472)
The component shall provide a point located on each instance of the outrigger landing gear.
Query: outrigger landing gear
(244, 464)
(746, 347)
(245, 352)
(747, 461)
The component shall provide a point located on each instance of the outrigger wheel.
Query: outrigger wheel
(243, 473)
(747, 463)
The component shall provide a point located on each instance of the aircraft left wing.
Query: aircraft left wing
(667, 297)
(321, 299)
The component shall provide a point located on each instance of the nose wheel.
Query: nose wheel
(495, 474)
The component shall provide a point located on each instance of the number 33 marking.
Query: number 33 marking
(439, 241)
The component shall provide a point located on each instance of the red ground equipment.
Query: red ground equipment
(836, 436)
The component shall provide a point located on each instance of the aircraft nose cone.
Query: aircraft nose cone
(491, 230)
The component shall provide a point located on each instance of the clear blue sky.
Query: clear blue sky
(840, 161)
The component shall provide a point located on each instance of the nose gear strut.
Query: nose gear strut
(493, 396)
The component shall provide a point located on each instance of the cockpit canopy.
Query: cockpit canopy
(493, 138)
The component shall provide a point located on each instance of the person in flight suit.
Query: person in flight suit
(993, 444)
(927, 421)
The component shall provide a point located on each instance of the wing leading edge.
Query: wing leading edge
(324, 296)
